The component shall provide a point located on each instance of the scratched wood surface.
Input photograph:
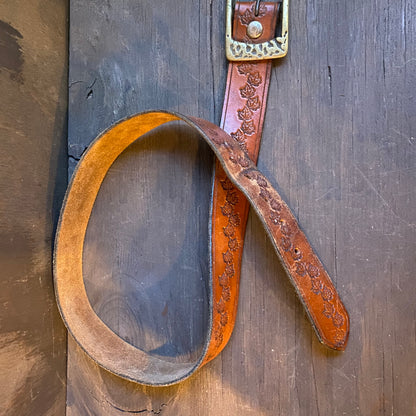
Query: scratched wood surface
(33, 176)
(339, 142)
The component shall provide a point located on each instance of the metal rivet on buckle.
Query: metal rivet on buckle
(271, 49)
(254, 29)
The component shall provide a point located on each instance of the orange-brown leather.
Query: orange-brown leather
(312, 283)
(242, 118)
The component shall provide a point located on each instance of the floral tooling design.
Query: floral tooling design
(229, 211)
(252, 103)
(302, 268)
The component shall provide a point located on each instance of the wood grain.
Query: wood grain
(161, 231)
(338, 142)
(33, 165)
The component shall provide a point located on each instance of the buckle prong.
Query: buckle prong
(257, 8)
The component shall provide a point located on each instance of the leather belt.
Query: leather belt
(237, 185)
(242, 118)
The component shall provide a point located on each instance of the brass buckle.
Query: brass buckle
(271, 49)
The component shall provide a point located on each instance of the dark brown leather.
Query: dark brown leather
(312, 283)
(242, 118)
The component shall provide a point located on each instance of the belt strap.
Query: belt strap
(242, 118)
(237, 185)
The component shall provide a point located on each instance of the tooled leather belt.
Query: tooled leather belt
(237, 185)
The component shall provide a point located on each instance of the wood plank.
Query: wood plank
(33, 165)
(338, 142)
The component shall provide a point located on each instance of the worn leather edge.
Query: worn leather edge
(95, 338)
(137, 360)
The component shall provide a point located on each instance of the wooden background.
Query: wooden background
(339, 143)
(33, 176)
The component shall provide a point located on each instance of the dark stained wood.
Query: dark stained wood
(338, 142)
(33, 165)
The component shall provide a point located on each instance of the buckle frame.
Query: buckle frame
(270, 49)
